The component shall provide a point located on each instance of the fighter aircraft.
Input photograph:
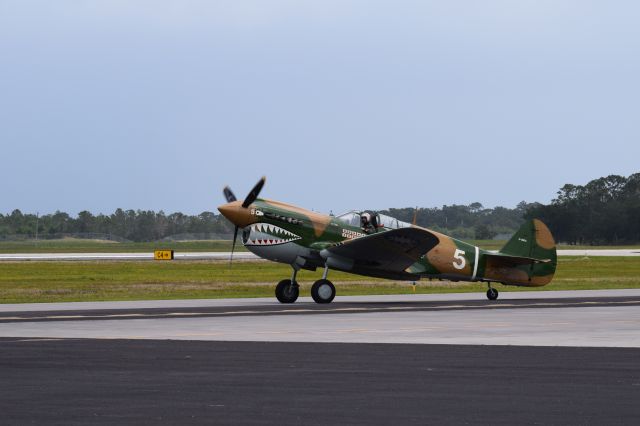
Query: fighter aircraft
(375, 245)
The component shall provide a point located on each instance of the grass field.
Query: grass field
(91, 281)
(74, 245)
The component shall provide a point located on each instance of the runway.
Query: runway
(566, 357)
(592, 318)
(70, 382)
(238, 255)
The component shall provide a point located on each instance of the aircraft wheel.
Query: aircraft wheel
(287, 292)
(492, 294)
(323, 291)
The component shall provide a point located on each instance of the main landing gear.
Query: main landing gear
(287, 291)
(492, 293)
(322, 291)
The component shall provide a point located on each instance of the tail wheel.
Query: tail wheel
(287, 291)
(492, 294)
(323, 291)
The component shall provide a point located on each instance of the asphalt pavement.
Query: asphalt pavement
(86, 381)
(567, 357)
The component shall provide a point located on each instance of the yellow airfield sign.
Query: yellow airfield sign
(163, 254)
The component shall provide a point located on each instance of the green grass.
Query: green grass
(91, 281)
(76, 245)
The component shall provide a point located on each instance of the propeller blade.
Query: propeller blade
(229, 195)
(415, 216)
(233, 246)
(254, 193)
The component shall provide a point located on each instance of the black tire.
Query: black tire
(492, 294)
(286, 292)
(323, 291)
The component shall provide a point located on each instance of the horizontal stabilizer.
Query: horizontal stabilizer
(516, 260)
(529, 258)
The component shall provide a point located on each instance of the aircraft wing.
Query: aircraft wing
(386, 254)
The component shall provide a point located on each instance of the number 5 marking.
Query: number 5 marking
(460, 262)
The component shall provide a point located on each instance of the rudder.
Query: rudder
(534, 240)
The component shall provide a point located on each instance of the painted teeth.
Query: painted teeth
(264, 234)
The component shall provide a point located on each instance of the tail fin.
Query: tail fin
(533, 241)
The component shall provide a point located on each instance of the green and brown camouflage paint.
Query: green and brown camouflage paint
(449, 259)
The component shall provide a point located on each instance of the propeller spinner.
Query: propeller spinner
(237, 213)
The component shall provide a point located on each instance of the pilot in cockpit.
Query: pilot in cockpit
(368, 223)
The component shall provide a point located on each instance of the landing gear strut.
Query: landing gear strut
(492, 293)
(287, 291)
(323, 290)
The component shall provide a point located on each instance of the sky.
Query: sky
(341, 104)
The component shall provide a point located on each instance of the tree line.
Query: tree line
(604, 211)
(472, 221)
(133, 225)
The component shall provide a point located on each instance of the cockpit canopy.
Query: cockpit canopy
(355, 218)
(350, 218)
(391, 222)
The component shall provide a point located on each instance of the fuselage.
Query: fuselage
(289, 234)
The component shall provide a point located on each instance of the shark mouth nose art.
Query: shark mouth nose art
(264, 234)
